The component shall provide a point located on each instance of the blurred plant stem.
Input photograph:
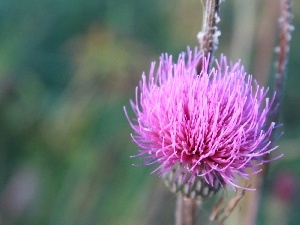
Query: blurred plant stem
(285, 29)
(264, 41)
(208, 36)
(242, 41)
(186, 208)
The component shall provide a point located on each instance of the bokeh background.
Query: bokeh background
(67, 68)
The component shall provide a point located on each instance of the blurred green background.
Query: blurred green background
(67, 68)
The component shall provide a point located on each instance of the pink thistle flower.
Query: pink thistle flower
(210, 125)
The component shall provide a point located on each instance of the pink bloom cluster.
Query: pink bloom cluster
(212, 125)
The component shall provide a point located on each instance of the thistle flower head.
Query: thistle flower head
(211, 125)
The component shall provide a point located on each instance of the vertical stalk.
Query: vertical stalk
(208, 36)
(186, 208)
(264, 41)
(285, 29)
(283, 50)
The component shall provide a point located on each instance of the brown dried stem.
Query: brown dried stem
(186, 208)
(285, 29)
(208, 36)
(222, 211)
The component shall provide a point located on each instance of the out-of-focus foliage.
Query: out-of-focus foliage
(67, 68)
